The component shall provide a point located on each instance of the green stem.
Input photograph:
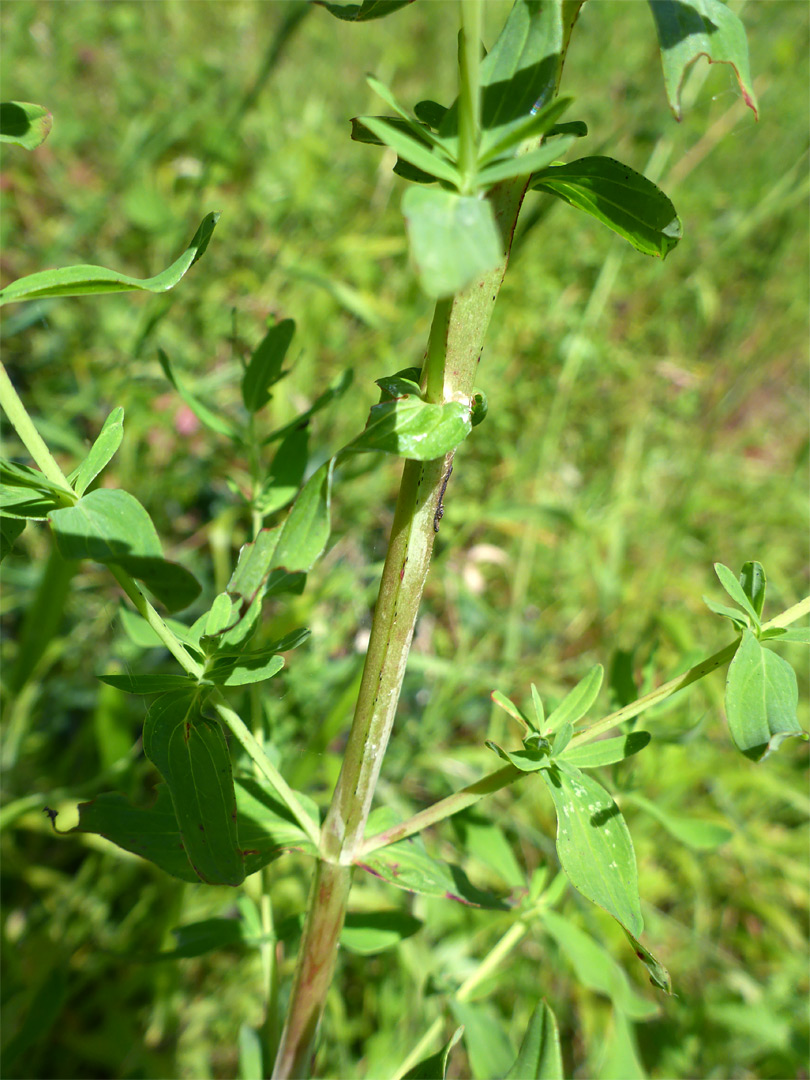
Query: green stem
(469, 92)
(30, 437)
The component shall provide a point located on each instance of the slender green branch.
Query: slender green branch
(247, 739)
(492, 782)
(469, 92)
(29, 436)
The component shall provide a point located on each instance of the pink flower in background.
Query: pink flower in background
(185, 422)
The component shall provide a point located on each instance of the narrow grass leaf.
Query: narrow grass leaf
(605, 751)
(595, 967)
(539, 1057)
(101, 452)
(594, 844)
(453, 239)
(44, 1010)
(265, 367)
(524, 164)
(799, 634)
(411, 148)
(435, 1066)
(619, 197)
(735, 590)
(24, 123)
(190, 752)
(337, 389)
(762, 698)
(620, 1058)
(306, 530)
(412, 428)
(577, 701)
(368, 933)
(688, 29)
(111, 526)
(539, 711)
(251, 1065)
(488, 1046)
(485, 840)
(694, 832)
(754, 583)
(286, 473)
(134, 683)
(86, 280)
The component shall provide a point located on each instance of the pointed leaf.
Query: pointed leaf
(414, 429)
(620, 1059)
(688, 29)
(488, 1046)
(659, 976)
(736, 592)
(561, 739)
(605, 751)
(517, 714)
(251, 667)
(596, 968)
(111, 526)
(264, 369)
(10, 529)
(141, 633)
(539, 711)
(411, 148)
(266, 827)
(286, 473)
(594, 845)
(338, 388)
(753, 581)
(532, 126)
(305, 532)
(84, 280)
(435, 1066)
(135, 683)
(738, 619)
(619, 197)
(524, 164)
(362, 12)
(24, 123)
(101, 452)
(485, 840)
(539, 1057)
(762, 697)
(190, 752)
(577, 701)
(453, 239)
(799, 634)
(530, 759)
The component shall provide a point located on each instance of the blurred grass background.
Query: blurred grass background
(645, 421)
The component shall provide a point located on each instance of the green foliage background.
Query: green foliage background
(620, 458)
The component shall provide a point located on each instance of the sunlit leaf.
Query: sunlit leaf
(101, 452)
(577, 701)
(414, 429)
(694, 832)
(435, 1066)
(762, 698)
(539, 1057)
(24, 123)
(735, 590)
(85, 280)
(362, 12)
(605, 751)
(305, 531)
(265, 366)
(370, 932)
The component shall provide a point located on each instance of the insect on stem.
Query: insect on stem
(440, 507)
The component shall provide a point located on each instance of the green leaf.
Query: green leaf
(190, 752)
(400, 384)
(762, 697)
(10, 529)
(213, 420)
(619, 197)
(479, 407)
(605, 751)
(407, 865)
(520, 73)
(421, 132)
(286, 473)
(251, 1063)
(251, 667)
(524, 164)
(532, 126)
(141, 633)
(25, 124)
(15, 475)
(561, 740)
(620, 1060)
(539, 712)
(101, 452)
(517, 714)
(222, 614)
(86, 280)
(111, 526)
(411, 148)
(753, 581)
(530, 759)
(134, 683)
(430, 113)
(735, 590)
(151, 833)
(253, 565)
(594, 845)
(694, 832)
(338, 388)
(414, 429)
(199, 938)
(688, 29)
(488, 1046)
(370, 932)
(539, 1057)
(596, 968)
(306, 529)
(659, 976)
(435, 1066)
(738, 619)
(577, 701)
(799, 634)
(266, 827)
(264, 369)
(453, 239)
(362, 12)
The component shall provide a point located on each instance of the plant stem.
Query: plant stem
(30, 437)
(469, 92)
